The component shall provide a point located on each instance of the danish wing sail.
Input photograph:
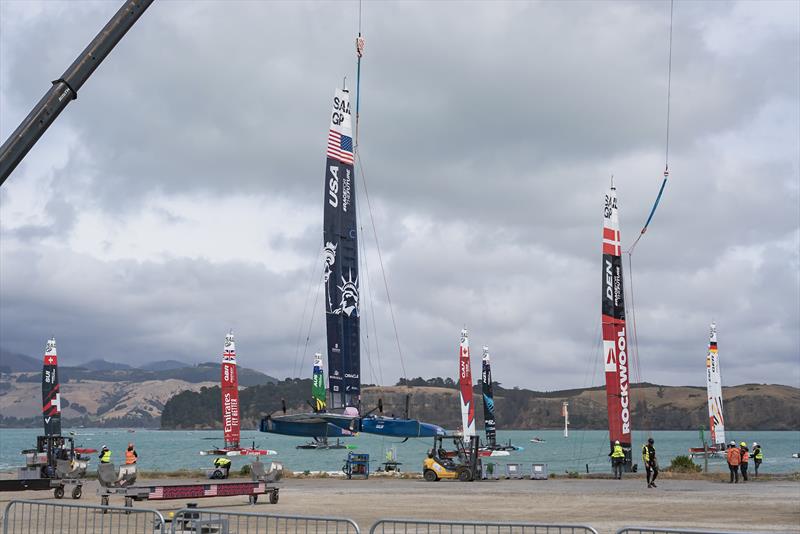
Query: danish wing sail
(716, 422)
(51, 396)
(615, 347)
(488, 400)
(230, 394)
(465, 385)
(318, 384)
(341, 259)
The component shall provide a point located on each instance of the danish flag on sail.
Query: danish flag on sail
(465, 385)
(51, 396)
(230, 394)
(615, 346)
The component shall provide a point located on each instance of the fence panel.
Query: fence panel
(657, 530)
(199, 520)
(48, 517)
(417, 526)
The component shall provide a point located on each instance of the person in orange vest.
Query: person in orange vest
(734, 459)
(744, 454)
(131, 455)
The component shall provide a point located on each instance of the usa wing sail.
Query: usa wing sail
(51, 396)
(615, 346)
(716, 421)
(488, 400)
(465, 385)
(341, 259)
(230, 394)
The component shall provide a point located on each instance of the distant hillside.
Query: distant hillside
(748, 407)
(103, 365)
(121, 397)
(164, 365)
(203, 372)
(12, 362)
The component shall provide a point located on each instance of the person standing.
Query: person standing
(131, 455)
(105, 455)
(744, 458)
(758, 456)
(650, 462)
(734, 457)
(617, 459)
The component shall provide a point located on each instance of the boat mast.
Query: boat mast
(615, 347)
(465, 386)
(565, 413)
(230, 394)
(51, 395)
(716, 421)
(488, 399)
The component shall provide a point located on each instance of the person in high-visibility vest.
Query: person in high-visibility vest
(224, 464)
(650, 462)
(105, 455)
(617, 459)
(734, 456)
(744, 458)
(131, 455)
(758, 456)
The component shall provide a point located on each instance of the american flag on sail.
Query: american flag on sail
(340, 147)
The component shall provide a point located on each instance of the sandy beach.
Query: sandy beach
(606, 505)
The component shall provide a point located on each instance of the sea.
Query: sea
(170, 450)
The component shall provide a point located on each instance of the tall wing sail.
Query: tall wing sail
(716, 421)
(465, 385)
(488, 399)
(615, 346)
(318, 384)
(51, 396)
(341, 259)
(230, 394)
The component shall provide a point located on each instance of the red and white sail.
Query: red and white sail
(615, 341)
(51, 394)
(230, 394)
(465, 385)
(716, 422)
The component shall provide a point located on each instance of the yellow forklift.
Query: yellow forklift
(459, 463)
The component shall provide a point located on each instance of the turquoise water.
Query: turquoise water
(170, 450)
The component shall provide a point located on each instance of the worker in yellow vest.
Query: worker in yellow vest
(105, 455)
(758, 456)
(617, 459)
(650, 462)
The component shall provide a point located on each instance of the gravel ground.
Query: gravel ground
(605, 504)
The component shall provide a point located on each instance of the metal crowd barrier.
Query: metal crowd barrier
(48, 517)
(418, 526)
(657, 530)
(199, 520)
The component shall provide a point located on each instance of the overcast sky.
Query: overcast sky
(180, 195)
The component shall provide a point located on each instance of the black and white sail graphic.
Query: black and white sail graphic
(341, 259)
(488, 399)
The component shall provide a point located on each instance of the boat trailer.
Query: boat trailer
(122, 485)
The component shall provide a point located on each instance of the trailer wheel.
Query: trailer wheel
(430, 475)
(273, 497)
(58, 493)
(77, 492)
(464, 475)
(252, 498)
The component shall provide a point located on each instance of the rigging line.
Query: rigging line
(312, 270)
(311, 324)
(366, 282)
(374, 322)
(383, 270)
(636, 360)
(666, 150)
